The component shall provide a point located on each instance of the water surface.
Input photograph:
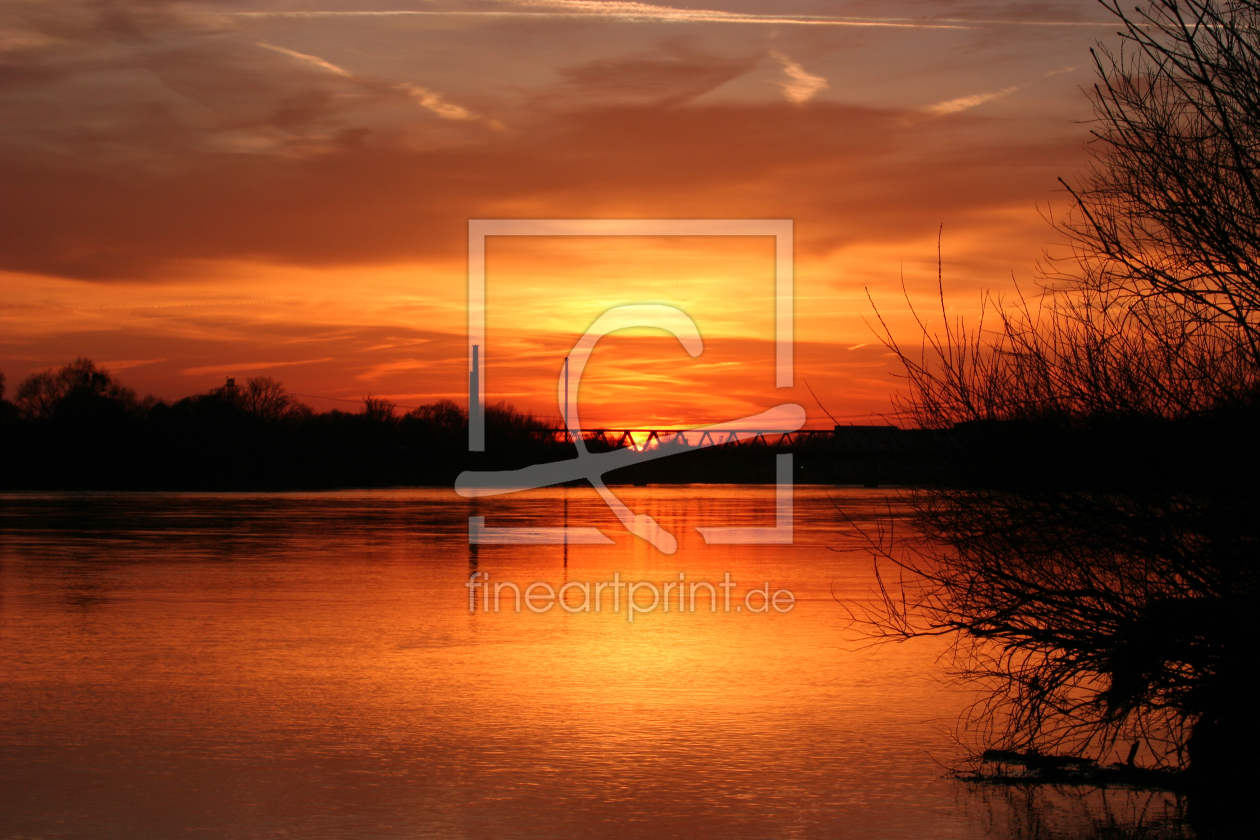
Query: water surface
(306, 665)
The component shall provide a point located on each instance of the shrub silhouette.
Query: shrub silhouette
(1091, 545)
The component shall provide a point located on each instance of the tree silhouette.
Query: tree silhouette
(443, 418)
(78, 427)
(1091, 547)
(8, 411)
(379, 410)
(265, 398)
(42, 395)
(1171, 205)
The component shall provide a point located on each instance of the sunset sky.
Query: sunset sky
(200, 190)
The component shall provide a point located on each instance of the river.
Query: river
(307, 665)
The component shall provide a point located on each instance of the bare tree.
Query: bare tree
(40, 395)
(1091, 555)
(443, 418)
(1171, 205)
(266, 398)
(1091, 548)
(378, 409)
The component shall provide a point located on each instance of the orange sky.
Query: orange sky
(200, 190)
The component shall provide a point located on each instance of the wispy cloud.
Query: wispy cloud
(378, 371)
(634, 12)
(433, 101)
(626, 12)
(667, 76)
(962, 103)
(424, 97)
(309, 59)
(800, 85)
(248, 367)
(126, 364)
(13, 40)
(860, 171)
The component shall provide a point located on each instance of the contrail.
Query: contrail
(800, 20)
(425, 98)
(309, 59)
(645, 13)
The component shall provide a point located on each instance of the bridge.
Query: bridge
(851, 439)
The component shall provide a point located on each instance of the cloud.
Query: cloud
(152, 87)
(953, 106)
(247, 367)
(162, 155)
(800, 86)
(143, 142)
(126, 364)
(425, 98)
(628, 12)
(668, 76)
(845, 172)
(395, 366)
(634, 12)
(309, 59)
(433, 101)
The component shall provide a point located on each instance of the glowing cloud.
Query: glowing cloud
(623, 11)
(424, 97)
(245, 367)
(635, 12)
(801, 85)
(127, 364)
(433, 101)
(962, 103)
(309, 59)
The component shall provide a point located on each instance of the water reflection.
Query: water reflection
(1068, 813)
(306, 664)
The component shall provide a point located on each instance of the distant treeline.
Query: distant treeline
(80, 428)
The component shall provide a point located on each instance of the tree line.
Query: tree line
(79, 427)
